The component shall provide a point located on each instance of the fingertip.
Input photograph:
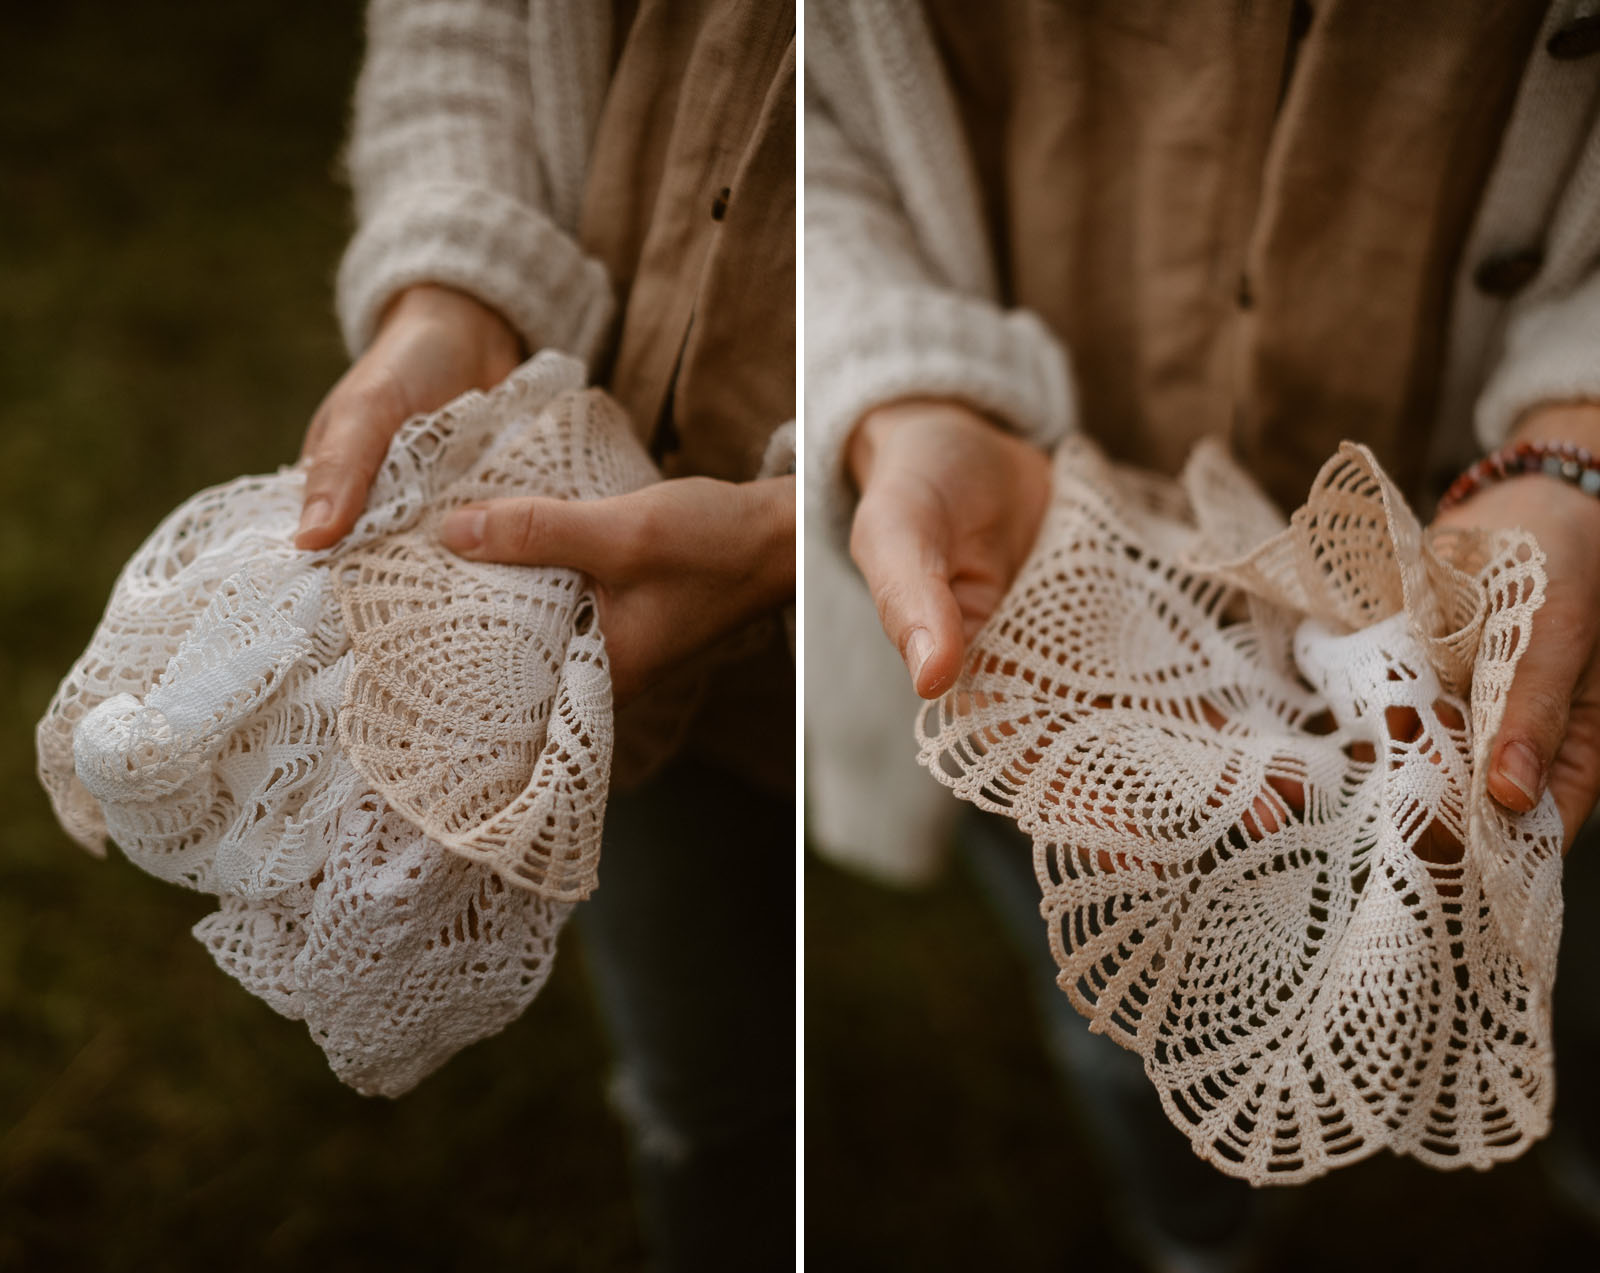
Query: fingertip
(933, 666)
(1516, 779)
(319, 526)
(937, 687)
(918, 646)
(463, 530)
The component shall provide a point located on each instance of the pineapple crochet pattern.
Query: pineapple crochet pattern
(1252, 759)
(389, 764)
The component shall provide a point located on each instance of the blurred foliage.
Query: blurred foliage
(170, 219)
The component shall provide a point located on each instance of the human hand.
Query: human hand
(433, 344)
(1550, 734)
(950, 505)
(675, 566)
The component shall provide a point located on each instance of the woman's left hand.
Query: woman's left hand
(675, 566)
(1550, 734)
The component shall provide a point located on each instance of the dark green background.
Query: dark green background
(170, 220)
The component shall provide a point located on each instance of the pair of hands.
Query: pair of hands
(675, 566)
(950, 505)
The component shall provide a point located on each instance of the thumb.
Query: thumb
(900, 546)
(579, 534)
(1537, 709)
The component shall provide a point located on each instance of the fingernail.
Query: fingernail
(463, 529)
(317, 514)
(919, 645)
(1520, 767)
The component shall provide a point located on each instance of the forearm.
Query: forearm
(883, 326)
(454, 180)
(1577, 422)
(770, 581)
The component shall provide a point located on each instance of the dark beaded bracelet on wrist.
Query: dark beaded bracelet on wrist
(1566, 460)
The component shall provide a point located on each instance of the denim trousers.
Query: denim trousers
(689, 941)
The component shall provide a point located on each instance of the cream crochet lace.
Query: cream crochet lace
(1252, 761)
(389, 764)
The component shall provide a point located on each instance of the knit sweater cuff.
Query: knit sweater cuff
(777, 460)
(496, 249)
(926, 343)
(1552, 354)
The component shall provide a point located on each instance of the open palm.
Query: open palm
(950, 504)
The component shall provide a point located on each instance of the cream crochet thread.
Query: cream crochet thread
(1252, 761)
(388, 763)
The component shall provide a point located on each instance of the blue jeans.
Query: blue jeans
(690, 945)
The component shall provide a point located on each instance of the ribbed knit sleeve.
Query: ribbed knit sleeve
(445, 162)
(1551, 354)
(1545, 190)
(886, 318)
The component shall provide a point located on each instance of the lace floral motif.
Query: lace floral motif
(1252, 759)
(389, 764)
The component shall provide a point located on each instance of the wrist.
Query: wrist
(771, 572)
(1577, 422)
(1551, 447)
(436, 304)
(866, 440)
(874, 430)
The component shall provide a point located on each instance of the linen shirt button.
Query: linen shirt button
(1578, 38)
(1507, 273)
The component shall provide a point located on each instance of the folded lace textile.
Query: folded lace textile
(1252, 760)
(388, 763)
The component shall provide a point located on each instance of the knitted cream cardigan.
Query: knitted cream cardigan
(901, 297)
(464, 175)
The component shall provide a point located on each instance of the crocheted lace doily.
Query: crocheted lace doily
(1252, 761)
(388, 763)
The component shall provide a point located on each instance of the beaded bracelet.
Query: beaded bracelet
(1566, 460)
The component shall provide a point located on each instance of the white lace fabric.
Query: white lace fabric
(1252, 761)
(389, 764)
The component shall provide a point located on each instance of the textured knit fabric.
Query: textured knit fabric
(905, 295)
(464, 176)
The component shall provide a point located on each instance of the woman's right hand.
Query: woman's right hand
(433, 344)
(950, 505)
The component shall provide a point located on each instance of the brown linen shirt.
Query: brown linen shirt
(690, 204)
(1242, 220)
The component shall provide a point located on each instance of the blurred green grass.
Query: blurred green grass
(170, 219)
